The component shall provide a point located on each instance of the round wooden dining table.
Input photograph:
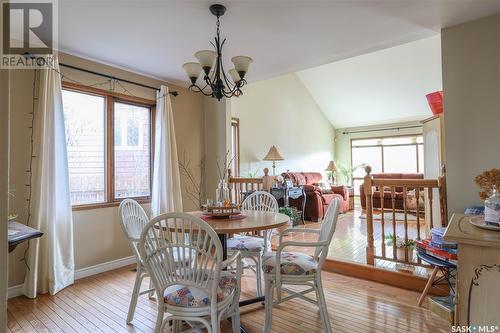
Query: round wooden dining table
(251, 221)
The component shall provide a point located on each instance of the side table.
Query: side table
(350, 190)
(294, 192)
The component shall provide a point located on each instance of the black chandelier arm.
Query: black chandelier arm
(196, 88)
(228, 84)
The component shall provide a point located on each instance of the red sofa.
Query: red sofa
(317, 200)
(399, 199)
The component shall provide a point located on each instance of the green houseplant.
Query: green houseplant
(401, 245)
(346, 171)
(291, 212)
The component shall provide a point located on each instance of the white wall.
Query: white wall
(281, 112)
(471, 82)
(381, 87)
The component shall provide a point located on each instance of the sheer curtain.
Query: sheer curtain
(50, 258)
(166, 193)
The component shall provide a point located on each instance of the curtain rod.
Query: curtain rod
(173, 93)
(382, 129)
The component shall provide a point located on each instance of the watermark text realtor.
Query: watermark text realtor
(28, 33)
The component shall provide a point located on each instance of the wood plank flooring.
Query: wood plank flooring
(349, 241)
(100, 303)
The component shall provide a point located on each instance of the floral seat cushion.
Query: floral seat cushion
(246, 243)
(192, 297)
(292, 263)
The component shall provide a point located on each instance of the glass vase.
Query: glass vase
(222, 194)
(492, 209)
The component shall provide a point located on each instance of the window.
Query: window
(109, 140)
(403, 154)
(235, 146)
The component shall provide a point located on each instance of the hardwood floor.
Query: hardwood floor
(349, 241)
(100, 303)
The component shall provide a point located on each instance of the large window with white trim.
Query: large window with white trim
(400, 154)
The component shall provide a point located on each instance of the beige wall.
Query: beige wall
(281, 112)
(471, 82)
(97, 235)
(343, 141)
(217, 140)
(4, 181)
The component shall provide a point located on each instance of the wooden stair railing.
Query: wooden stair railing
(239, 186)
(425, 186)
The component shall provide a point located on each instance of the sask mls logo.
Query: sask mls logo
(28, 32)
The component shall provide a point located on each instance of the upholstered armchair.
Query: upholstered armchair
(319, 195)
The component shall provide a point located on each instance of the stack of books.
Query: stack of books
(437, 247)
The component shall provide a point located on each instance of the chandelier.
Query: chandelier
(216, 83)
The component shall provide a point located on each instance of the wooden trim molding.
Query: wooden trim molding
(110, 99)
(371, 273)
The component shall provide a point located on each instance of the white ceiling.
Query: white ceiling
(157, 37)
(385, 86)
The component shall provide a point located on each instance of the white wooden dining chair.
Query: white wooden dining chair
(133, 218)
(253, 247)
(297, 268)
(196, 287)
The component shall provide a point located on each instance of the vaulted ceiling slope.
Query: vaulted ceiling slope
(157, 37)
(386, 86)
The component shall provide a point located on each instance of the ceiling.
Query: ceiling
(156, 37)
(386, 86)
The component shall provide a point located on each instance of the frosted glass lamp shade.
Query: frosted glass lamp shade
(241, 64)
(234, 75)
(273, 155)
(193, 70)
(206, 59)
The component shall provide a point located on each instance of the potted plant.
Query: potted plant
(401, 246)
(291, 212)
(347, 171)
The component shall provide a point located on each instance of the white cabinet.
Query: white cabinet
(478, 276)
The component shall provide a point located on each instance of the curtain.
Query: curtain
(50, 258)
(166, 192)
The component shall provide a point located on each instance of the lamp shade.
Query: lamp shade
(193, 70)
(273, 155)
(234, 75)
(241, 63)
(331, 166)
(206, 58)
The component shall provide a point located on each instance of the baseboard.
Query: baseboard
(81, 273)
(104, 267)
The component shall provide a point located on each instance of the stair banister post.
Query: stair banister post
(370, 248)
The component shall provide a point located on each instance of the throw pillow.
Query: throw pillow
(325, 188)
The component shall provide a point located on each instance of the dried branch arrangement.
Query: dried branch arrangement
(195, 180)
(227, 165)
(487, 181)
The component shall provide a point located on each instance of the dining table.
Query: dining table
(248, 221)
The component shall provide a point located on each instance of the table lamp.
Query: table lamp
(273, 155)
(331, 168)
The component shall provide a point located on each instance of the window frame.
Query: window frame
(381, 146)
(110, 99)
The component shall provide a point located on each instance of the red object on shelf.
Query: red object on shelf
(435, 101)
(425, 244)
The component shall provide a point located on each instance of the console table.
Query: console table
(286, 193)
(478, 296)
